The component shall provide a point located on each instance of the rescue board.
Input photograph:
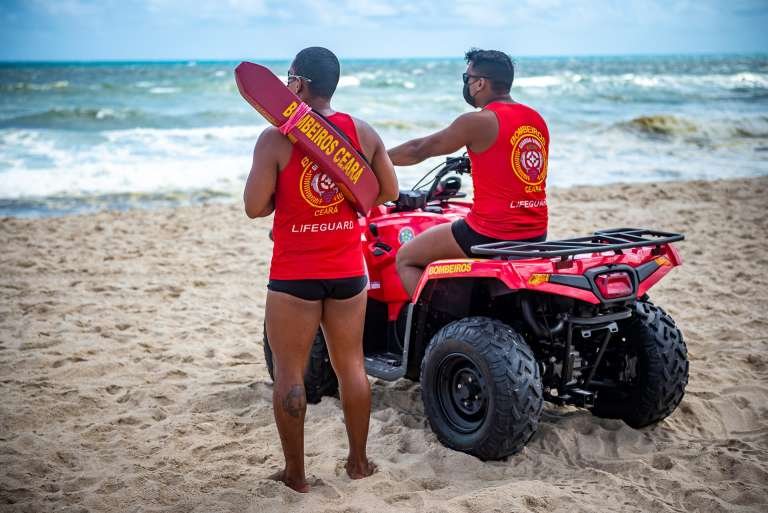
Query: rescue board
(322, 142)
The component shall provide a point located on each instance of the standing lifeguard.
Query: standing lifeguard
(508, 145)
(317, 276)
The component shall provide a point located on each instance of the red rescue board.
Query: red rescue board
(314, 135)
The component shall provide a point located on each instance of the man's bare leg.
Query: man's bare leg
(291, 327)
(435, 243)
(343, 321)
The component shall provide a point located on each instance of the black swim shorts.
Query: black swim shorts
(315, 290)
(466, 237)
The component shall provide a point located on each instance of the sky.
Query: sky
(264, 29)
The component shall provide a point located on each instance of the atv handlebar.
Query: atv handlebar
(459, 165)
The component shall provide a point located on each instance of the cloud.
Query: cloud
(168, 28)
(414, 13)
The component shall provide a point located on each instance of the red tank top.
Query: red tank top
(510, 177)
(315, 230)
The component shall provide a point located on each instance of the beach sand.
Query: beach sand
(132, 375)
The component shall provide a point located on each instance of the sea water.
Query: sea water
(78, 137)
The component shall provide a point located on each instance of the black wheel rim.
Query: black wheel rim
(461, 392)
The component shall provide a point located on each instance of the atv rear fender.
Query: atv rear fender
(567, 276)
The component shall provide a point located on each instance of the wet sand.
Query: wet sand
(132, 376)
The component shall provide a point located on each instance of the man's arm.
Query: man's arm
(382, 167)
(470, 130)
(260, 186)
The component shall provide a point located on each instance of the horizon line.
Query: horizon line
(357, 58)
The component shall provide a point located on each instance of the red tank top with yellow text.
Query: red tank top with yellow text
(510, 177)
(315, 230)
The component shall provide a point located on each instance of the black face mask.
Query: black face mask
(468, 97)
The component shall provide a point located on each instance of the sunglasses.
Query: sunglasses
(292, 77)
(466, 76)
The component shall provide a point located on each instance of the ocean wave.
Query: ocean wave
(715, 130)
(546, 80)
(349, 81)
(660, 125)
(379, 78)
(403, 125)
(124, 172)
(67, 117)
(46, 206)
(20, 149)
(164, 90)
(104, 118)
(637, 86)
(33, 86)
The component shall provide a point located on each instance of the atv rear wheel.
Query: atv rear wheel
(481, 388)
(661, 370)
(319, 377)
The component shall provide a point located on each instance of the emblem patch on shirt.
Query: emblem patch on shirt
(317, 188)
(529, 155)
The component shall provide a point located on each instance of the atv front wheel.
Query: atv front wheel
(481, 388)
(319, 377)
(660, 359)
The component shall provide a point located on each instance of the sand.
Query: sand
(132, 376)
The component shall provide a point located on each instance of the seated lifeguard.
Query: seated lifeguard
(508, 145)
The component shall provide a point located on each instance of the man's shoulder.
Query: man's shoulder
(273, 137)
(361, 125)
(520, 112)
(476, 119)
(274, 145)
(271, 133)
(522, 107)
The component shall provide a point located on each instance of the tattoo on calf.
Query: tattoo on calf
(295, 401)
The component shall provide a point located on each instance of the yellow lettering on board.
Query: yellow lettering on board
(290, 109)
(312, 130)
(319, 136)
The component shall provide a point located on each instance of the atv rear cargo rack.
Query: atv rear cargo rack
(614, 239)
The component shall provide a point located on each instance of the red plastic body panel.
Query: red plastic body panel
(320, 141)
(516, 274)
(385, 285)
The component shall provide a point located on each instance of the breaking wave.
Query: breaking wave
(665, 125)
(87, 118)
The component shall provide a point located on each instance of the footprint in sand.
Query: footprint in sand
(40, 344)
(113, 389)
(232, 399)
(162, 400)
(662, 462)
(176, 374)
(270, 489)
(128, 420)
(403, 500)
(431, 483)
(71, 359)
(324, 489)
(257, 459)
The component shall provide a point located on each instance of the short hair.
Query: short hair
(321, 66)
(495, 65)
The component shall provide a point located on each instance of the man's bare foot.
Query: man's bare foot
(299, 485)
(360, 469)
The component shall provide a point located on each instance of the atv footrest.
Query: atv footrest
(387, 366)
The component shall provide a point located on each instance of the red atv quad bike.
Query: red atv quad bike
(492, 337)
